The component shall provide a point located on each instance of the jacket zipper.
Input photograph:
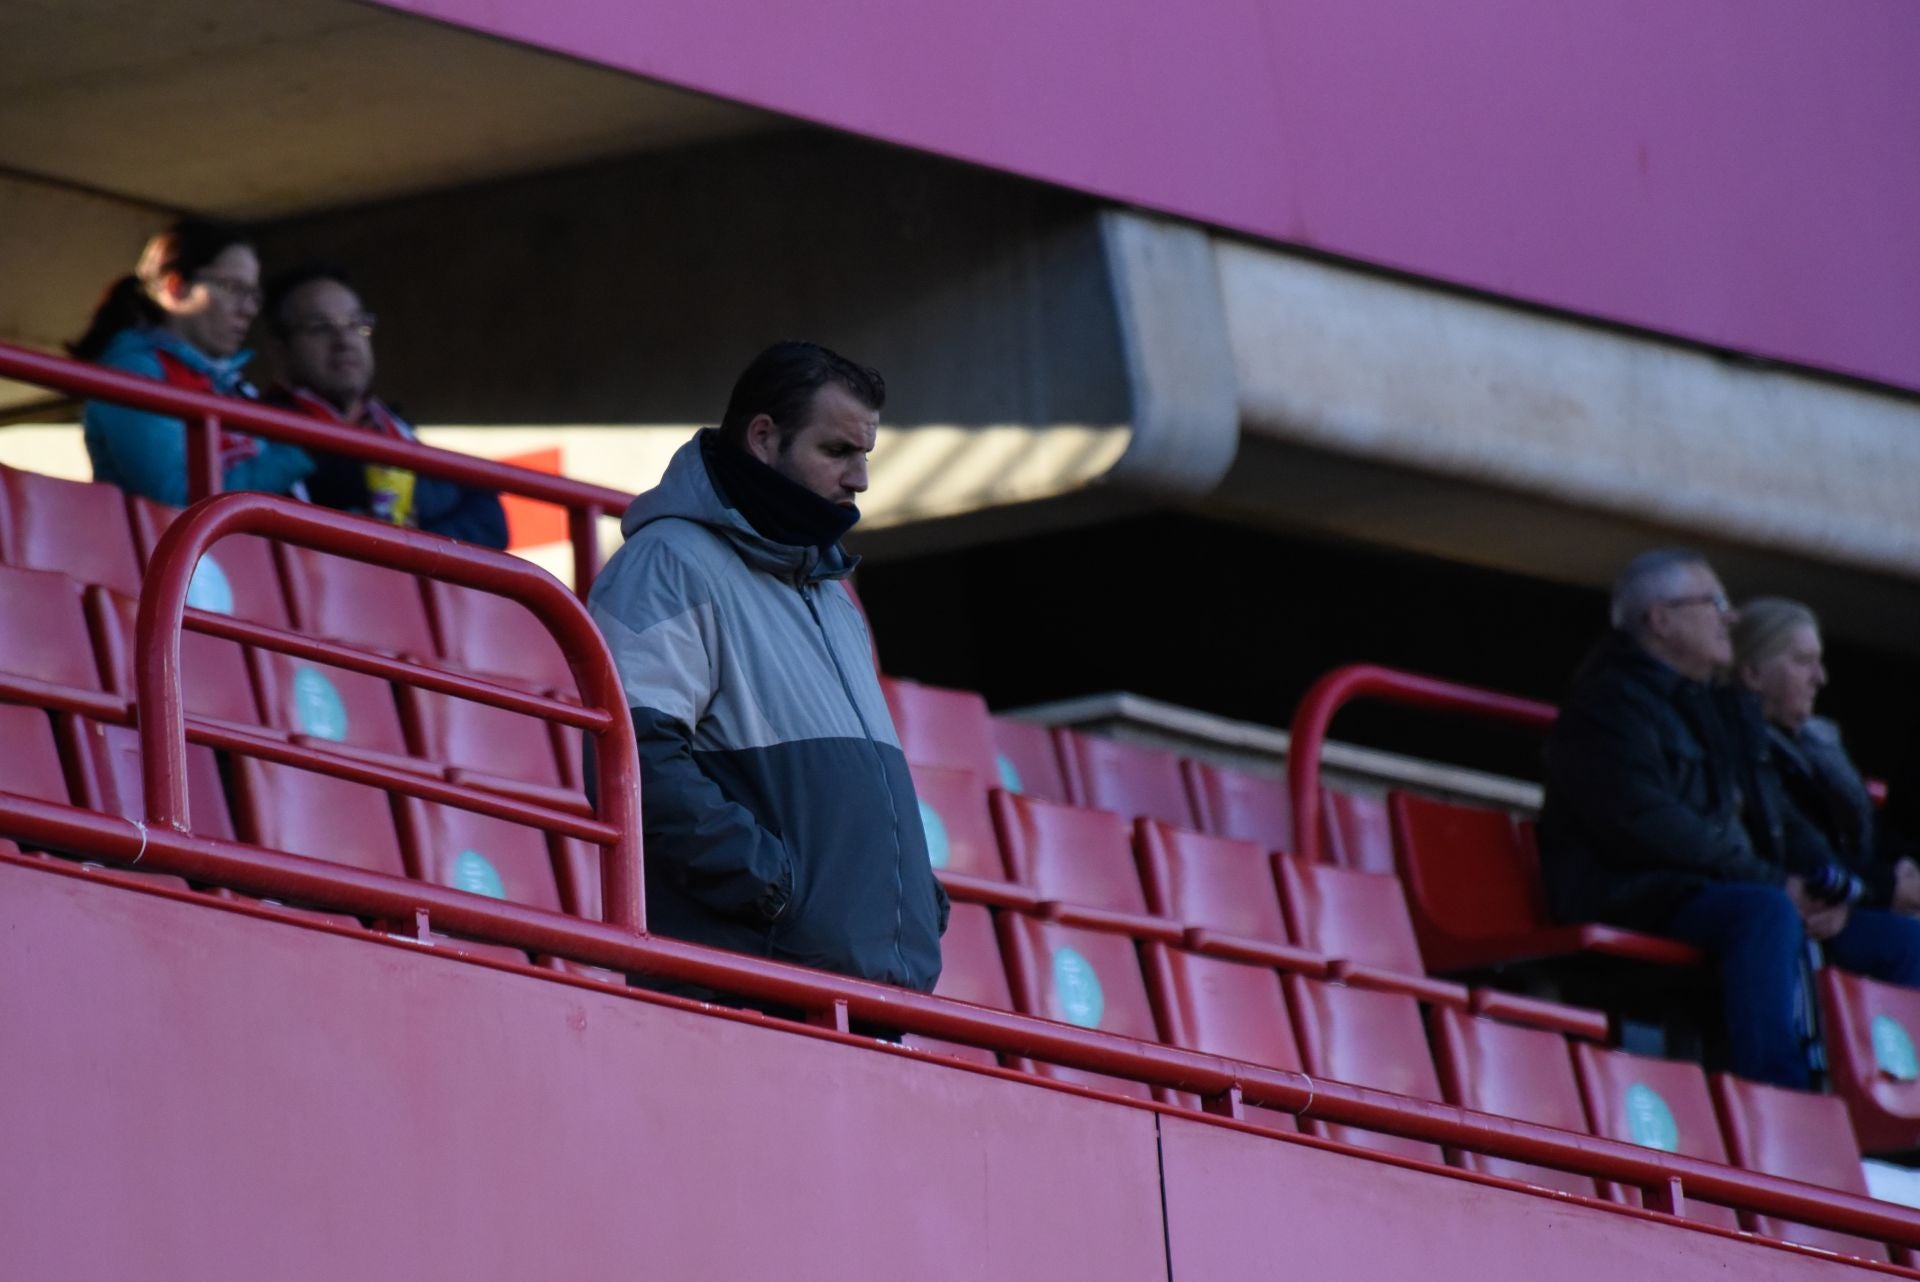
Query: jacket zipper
(807, 591)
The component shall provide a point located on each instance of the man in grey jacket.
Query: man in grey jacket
(780, 819)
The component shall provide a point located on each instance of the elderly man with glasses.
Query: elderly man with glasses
(323, 339)
(1659, 817)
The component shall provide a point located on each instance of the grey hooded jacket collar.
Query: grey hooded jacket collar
(686, 490)
(779, 814)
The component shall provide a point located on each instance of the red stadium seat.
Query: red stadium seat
(1364, 1038)
(478, 854)
(970, 971)
(44, 645)
(1474, 890)
(29, 757)
(1087, 978)
(1027, 761)
(1359, 918)
(77, 528)
(1069, 854)
(237, 575)
(1871, 1031)
(1224, 1008)
(1522, 1073)
(482, 632)
(945, 728)
(107, 774)
(1230, 802)
(1126, 778)
(504, 750)
(1658, 1103)
(213, 671)
(1215, 884)
(953, 810)
(352, 601)
(303, 813)
(578, 869)
(1356, 830)
(331, 706)
(1796, 1136)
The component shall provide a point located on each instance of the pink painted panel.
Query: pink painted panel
(1743, 173)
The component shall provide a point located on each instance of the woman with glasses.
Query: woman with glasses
(1778, 655)
(180, 317)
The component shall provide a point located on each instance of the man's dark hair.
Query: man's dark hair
(781, 383)
(282, 287)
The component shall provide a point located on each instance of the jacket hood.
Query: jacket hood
(686, 492)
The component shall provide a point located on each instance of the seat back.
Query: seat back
(1871, 1031)
(1340, 912)
(953, 811)
(351, 601)
(302, 813)
(327, 703)
(1356, 830)
(107, 773)
(1213, 882)
(236, 576)
(1068, 853)
(29, 755)
(1523, 1073)
(970, 971)
(214, 681)
(54, 646)
(945, 728)
(477, 853)
(1086, 978)
(1364, 1038)
(477, 736)
(1659, 1103)
(1126, 778)
(76, 528)
(1223, 1008)
(1795, 1135)
(482, 632)
(1027, 761)
(1467, 875)
(1229, 802)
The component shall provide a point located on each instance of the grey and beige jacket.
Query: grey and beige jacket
(778, 813)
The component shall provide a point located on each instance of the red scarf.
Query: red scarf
(235, 447)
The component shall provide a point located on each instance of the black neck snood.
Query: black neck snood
(777, 508)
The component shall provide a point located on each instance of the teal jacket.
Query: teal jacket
(146, 454)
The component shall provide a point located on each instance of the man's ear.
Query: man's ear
(763, 438)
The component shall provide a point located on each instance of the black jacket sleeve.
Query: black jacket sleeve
(460, 512)
(1610, 767)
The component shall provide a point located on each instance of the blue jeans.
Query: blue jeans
(1754, 936)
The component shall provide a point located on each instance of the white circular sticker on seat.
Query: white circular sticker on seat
(1077, 997)
(209, 589)
(473, 873)
(1649, 1121)
(1893, 1051)
(938, 847)
(317, 707)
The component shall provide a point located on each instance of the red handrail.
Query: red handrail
(163, 602)
(1342, 686)
(203, 415)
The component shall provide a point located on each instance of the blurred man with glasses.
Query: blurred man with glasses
(1659, 817)
(323, 339)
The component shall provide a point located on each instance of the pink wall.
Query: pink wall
(1744, 173)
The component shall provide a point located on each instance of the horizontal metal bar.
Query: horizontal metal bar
(354, 659)
(368, 894)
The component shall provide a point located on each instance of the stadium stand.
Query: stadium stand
(106, 771)
(949, 729)
(971, 971)
(238, 577)
(1229, 802)
(1087, 978)
(953, 810)
(1221, 891)
(30, 754)
(1369, 1039)
(1498, 1068)
(77, 528)
(1657, 1103)
(1027, 760)
(486, 746)
(1078, 859)
(1225, 1007)
(214, 676)
(484, 633)
(1357, 831)
(1127, 778)
(369, 605)
(1799, 1136)
(304, 813)
(330, 707)
(53, 660)
(477, 853)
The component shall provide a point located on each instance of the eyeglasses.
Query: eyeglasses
(322, 327)
(1718, 600)
(234, 291)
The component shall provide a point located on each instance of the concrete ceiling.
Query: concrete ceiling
(256, 110)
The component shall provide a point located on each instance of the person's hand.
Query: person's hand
(1906, 887)
(1797, 891)
(1825, 923)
